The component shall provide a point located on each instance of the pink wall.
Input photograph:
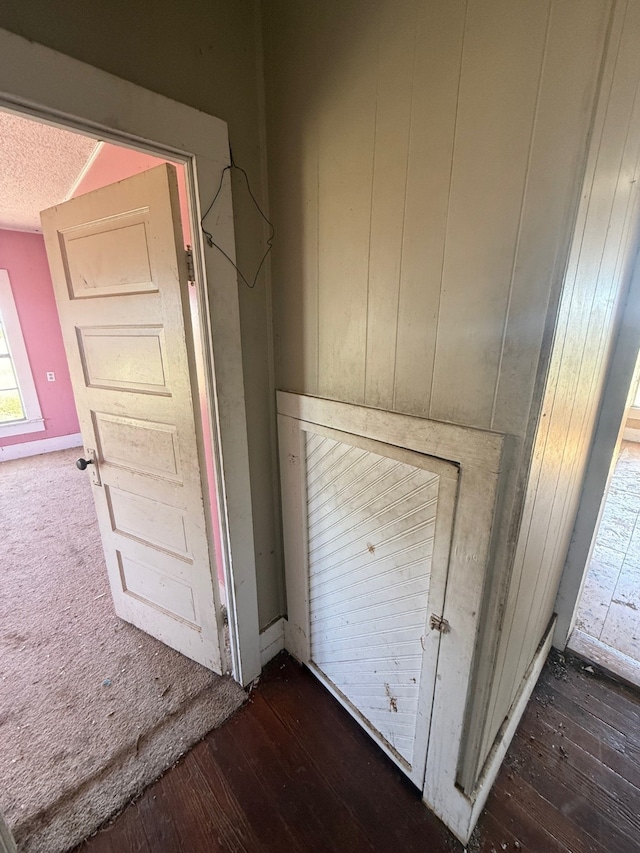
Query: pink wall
(24, 257)
(115, 164)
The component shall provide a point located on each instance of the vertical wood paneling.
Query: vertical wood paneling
(496, 110)
(411, 274)
(540, 259)
(599, 337)
(563, 115)
(293, 195)
(439, 36)
(346, 133)
(585, 330)
(397, 39)
(541, 250)
(437, 150)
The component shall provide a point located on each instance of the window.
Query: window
(19, 407)
(11, 405)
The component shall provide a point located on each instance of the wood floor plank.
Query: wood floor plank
(387, 805)
(125, 833)
(549, 777)
(613, 798)
(612, 702)
(546, 803)
(316, 809)
(577, 726)
(157, 817)
(292, 771)
(182, 798)
(557, 698)
(495, 837)
(523, 813)
(234, 831)
(265, 792)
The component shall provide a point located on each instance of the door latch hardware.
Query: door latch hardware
(439, 623)
(191, 270)
(83, 464)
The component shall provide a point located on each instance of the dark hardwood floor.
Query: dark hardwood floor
(291, 771)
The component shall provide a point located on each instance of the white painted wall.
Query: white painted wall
(597, 280)
(425, 163)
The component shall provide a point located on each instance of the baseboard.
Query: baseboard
(42, 445)
(507, 731)
(272, 641)
(608, 658)
(7, 844)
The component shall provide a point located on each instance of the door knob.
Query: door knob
(92, 460)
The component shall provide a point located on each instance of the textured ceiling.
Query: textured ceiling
(39, 164)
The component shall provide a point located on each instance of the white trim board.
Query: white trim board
(46, 85)
(504, 737)
(41, 445)
(480, 456)
(272, 641)
(84, 171)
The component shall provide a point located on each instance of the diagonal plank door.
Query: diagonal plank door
(120, 279)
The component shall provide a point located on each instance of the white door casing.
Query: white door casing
(119, 272)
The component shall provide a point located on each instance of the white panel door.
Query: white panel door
(119, 271)
(376, 530)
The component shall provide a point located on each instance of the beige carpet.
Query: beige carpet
(91, 709)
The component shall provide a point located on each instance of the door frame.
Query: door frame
(614, 404)
(50, 87)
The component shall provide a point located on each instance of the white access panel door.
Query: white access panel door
(376, 524)
(119, 271)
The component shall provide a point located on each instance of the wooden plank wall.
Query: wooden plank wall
(598, 274)
(425, 161)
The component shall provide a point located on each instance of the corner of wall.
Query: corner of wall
(264, 170)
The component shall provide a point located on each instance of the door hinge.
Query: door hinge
(439, 623)
(191, 270)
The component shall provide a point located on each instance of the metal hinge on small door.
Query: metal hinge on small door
(439, 623)
(191, 270)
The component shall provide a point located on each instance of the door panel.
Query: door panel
(126, 358)
(368, 526)
(119, 273)
(371, 526)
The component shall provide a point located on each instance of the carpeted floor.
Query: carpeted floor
(91, 708)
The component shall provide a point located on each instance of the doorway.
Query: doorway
(97, 709)
(607, 621)
(79, 97)
(40, 166)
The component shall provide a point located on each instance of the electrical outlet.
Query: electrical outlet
(51, 377)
